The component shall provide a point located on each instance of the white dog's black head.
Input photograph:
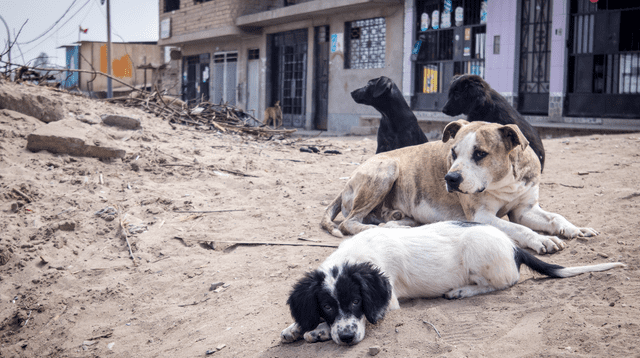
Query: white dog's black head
(372, 92)
(467, 92)
(343, 296)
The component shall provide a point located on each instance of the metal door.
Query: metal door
(225, 77)
(535, 57)
(321, 77)
(603, 76)
(195, 78)
(288, 65)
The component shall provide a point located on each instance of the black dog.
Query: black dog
(471, 95)
(398, 125)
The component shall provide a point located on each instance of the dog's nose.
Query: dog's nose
(347, 337)
(453, 181)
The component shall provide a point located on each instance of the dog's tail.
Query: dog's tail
(557, 271)
(329, 214)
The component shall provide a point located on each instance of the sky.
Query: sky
(48, 27)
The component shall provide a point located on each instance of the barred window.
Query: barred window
(365, 43)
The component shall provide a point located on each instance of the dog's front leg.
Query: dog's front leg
(524, 236)
(555, 224)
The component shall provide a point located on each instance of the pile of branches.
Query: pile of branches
(205, 116)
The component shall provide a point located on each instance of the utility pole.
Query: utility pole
(109, 87)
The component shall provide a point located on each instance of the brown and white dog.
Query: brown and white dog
(274, 115)
(479, 172)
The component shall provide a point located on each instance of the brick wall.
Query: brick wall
(194, 17)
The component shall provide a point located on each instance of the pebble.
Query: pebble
(215, 285)
(374, 350)
(110, 345)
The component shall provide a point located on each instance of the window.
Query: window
(365, 43)
(225, 77)
(254, 54)
(171, 5)
(451, 41)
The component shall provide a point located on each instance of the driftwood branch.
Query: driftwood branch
(206, 211)
(253, 243)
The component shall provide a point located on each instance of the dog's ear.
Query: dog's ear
(303, 300)
(375, 290)
(452, 129)
(513, 137)
(383, 85)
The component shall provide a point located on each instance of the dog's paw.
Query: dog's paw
(453, 294)
(320, 334)
(290, 334)
(548, 244)
(576, 232)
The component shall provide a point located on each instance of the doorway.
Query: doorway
(535, 57)
(288, 75)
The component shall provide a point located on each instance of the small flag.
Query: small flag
(84, 31)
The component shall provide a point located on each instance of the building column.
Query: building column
(557, 73)
(501, 62)
(407, 46)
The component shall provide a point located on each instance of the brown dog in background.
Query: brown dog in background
(273, 114)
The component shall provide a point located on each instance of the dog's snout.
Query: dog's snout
(347, 337)
(446, 110)
(454, 180)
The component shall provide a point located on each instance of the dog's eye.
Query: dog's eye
(327, 308)
(355, 302)
(453, 154)
(478, 155)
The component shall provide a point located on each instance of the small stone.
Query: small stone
(110, 345)
(121, 121)
(67, 226)
(374, 350)
(603, 255)
(89, 343)
(215, 285)
(210, 351)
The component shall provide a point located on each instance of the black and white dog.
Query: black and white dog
(471, 95)
(398, 126)
(369, 272)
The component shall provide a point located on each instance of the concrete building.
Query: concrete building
(134, 63)
(564, 64)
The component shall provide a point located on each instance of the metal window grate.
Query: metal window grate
(535, 47)
(365, 43)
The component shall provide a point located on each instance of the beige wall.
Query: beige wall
(125, 58)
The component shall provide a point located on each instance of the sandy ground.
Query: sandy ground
(68, 287)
